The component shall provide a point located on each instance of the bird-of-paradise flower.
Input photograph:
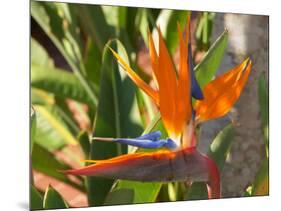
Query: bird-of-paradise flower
(178, 159)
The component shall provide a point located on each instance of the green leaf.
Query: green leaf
(207, 68)
(264, 107)
(58, 82)
(51, 131)
(53, 200)
(117, 116)
(33, 128)
(59, 23)
(204, 30)
(221, 145)
(143, 192)
(84, 142)
(197, 191)
(45, 162)
(261, 183)
(94, 23)
(36, 200)
(121, 196)
(167, 20)
(39, 55)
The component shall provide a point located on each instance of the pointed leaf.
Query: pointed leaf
(221, 145)
(53, 200)
(207, 68)
(36, 200)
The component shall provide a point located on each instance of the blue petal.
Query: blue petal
(170, 144)
(195, 88)
(143, 143)
(151, 136)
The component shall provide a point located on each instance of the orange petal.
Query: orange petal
(167, 82)
(221, 93)
(183, 111)
(136, 79)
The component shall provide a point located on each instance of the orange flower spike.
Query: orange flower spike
(136, 79)
(183, 109)
(167, 82)
(221, 93)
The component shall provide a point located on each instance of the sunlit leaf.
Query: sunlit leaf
(167, 20)
(207, 68)
(39, 55)
(58, 82)
(60, 25)
(261, 183)
(51, 131)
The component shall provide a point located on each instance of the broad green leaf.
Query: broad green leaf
(197, 191)
(39, 55)
(264, 104)
(47, 163)
(36, 200)
(167, 20)
(56, 106)
(51, 132)
(59, 23)
(59, 82)
(33, 128)
(53, 200)
(207, 68)
(261, 183)
(221, 145)
(121, 196)
(117, 116)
